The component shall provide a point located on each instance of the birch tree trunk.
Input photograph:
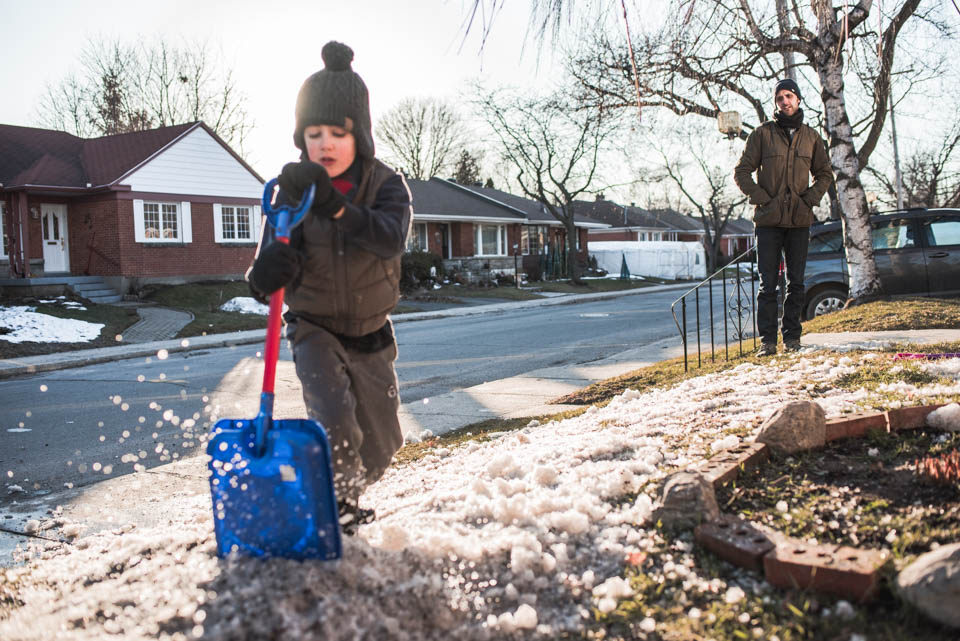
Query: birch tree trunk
(857, 239)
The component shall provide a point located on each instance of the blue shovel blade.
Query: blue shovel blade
(280, 504)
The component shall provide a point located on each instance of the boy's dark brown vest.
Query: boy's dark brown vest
(343, 287)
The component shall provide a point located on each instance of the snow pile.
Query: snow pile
(24, 324)
(522, 535)
(245, 305)
(946, 418)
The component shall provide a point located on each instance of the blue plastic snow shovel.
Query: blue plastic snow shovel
(271, 480)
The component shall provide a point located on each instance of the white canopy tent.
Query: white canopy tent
(672, 260)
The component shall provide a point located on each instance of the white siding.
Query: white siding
(196, 165)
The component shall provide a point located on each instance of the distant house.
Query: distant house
(630, 223)
(476, 229)
(165, 205)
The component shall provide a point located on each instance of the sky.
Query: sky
(402, 49)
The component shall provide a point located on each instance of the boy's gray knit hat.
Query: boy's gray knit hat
(333, 95)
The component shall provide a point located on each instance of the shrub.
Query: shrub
(415, 269)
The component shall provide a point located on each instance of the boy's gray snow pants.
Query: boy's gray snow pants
(354, 396)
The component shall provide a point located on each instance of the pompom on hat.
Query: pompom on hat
(335, 95)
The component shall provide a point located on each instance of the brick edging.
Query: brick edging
(851, 573)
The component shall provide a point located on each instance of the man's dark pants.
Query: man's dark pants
(792, 242)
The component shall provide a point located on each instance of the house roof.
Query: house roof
(617, 215)
(44, 158)
(534, 211)
(442, 200)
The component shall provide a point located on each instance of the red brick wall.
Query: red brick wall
(94, 246)
(201, 257)
(622, 234)
(462, 237)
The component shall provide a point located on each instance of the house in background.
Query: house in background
(166, 205)
(631, 223)
(478, 229)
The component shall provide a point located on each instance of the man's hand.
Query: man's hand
(277, 266)
(296, 178)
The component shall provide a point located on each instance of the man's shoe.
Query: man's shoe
(792, 346)
(767, 349)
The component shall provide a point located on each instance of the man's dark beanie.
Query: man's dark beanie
(789, 85)
(331, 96)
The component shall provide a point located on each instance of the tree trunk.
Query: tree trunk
(573, 265)
(858, 244)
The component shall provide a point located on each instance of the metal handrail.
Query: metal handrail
(736, 306)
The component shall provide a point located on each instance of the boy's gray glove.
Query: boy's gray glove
(277, 266)
(296, 177)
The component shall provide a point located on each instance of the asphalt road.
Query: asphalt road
(77, 426)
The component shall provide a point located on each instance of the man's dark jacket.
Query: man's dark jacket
(782, 192)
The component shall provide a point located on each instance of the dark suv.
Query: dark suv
(917, 253)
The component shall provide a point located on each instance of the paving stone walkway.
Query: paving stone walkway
(156, 324)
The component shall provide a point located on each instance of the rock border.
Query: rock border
(846, 572)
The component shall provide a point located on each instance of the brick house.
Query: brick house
(172, 204)
(631, 223)
(476, 229)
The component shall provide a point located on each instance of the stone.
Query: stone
(795, 427)
(932, 584)
(686, 500)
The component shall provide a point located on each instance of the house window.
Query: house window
(418, 238)
(159, 222)
(533, 239)
(491, 240)
(235, 223)
(3, 232)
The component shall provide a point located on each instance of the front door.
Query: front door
(56, 251)
(445, 241)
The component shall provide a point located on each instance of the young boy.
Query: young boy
(342, 274)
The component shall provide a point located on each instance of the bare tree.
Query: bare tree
(424, 136)
(554, 148)
(714, 53)
(931, 177)
(132, 87)
(710, 193)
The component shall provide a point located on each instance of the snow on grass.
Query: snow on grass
(24, 324)
(527, 534)
(247, 305)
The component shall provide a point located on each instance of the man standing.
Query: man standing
(784, 152)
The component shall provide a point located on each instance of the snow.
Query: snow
(247, 305)
(521, 535)
(946, 418)
(25, 324)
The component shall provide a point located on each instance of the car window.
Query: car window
(830, 241)
(893, 234)
(942, 230)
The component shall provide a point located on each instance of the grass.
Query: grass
(203, 300)
(660, 375)
(114, 319)
(901, 314)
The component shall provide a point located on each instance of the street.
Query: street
(74, 427)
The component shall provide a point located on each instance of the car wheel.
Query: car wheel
(826, 301)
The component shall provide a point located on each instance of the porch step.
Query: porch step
(94, 289)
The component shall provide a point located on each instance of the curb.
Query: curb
(13, 368)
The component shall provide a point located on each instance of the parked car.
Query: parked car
(917, 253)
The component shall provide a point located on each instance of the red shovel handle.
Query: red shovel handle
(271, 351)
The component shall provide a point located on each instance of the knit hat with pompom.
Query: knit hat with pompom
(335, 95)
